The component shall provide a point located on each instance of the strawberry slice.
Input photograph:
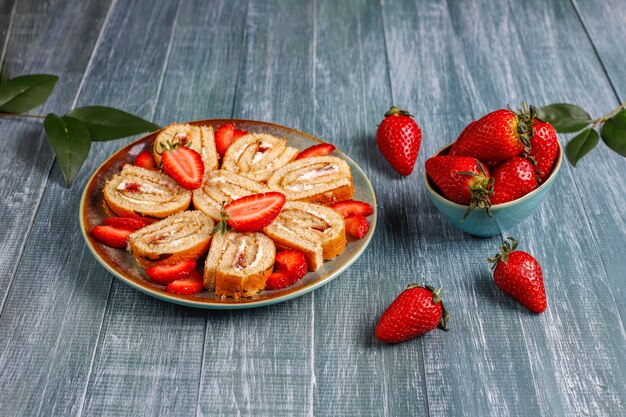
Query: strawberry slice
(225, 135)
(125, 223)
(164, 274)
(145, 160)
(253, 212)
(238, 133)
(350, 208)
(318, 150)
(292, 262)
(357, 226)
(111, 236)
(278, 280)
(189, 285)
(184, 165)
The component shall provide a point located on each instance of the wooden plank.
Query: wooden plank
(464, 61)
(149, 357)
(65, 290)
(7, 14)
(259, 362)
(605, 23)
(27, 152)
(354, 374)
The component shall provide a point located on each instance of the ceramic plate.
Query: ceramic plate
(122, 264)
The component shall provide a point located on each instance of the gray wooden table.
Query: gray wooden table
(74, 341)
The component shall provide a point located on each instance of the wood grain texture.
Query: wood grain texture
(355, 375)
(259, 362)
(31, 47)
(539, 349)
(75, 341)
(605, 24)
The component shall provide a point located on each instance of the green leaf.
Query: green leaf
(581, 145)
(24, 93)
(614, 133)
(566, 118)
(70, 141)
(107, 123)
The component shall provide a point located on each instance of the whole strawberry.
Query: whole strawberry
(399, 139)
(512, 179)
(417, 310)
(544, 148)
(519, 275)
(462, 179)
(497, 136)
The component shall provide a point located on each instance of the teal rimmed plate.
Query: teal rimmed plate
(122, 264)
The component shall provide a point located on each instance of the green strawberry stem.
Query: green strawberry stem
(481, 191)
(525, 119)
(222, 226)
(606, 117)
(505, 250)
(394, 111)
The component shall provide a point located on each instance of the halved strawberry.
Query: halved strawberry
(238, 133)
(317, 150)
(357, 226)
(184, 165)
(292, 262)
(125, 223)
(111, 236)
(145, 160)
(164, 274)
(251, 213)
(189, 285)
(350, 208)
(278, 280)
(225, 135)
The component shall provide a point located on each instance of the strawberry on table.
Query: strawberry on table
(519, 275)
(183, 164)
(278, 280)
(462, 179)
(512, 179)
(251, 213)
(317, 150)
(125, 223)
(189, 285)
(111, 236)
(416, 311)
(497, 136)
(399, 139)
(145, 160)
(544, 148)
(225, 135)
(293, 262)
(351, 207)
(357, 226)
(164, 274)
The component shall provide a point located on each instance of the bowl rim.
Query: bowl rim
(549, 180)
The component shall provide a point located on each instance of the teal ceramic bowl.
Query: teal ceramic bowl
(505, 215)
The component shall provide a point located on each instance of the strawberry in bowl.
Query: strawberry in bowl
(496, 173)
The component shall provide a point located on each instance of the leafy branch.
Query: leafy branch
(569, 118)
(70, 135)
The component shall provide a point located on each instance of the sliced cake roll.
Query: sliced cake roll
(223, 186)
(318, 179)
(180, 237)
(239, 264)
(137, 192)
(257, 156)
(314, 229)
(198, 138)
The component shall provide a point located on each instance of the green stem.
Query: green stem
(33, 116)
(608, 116)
